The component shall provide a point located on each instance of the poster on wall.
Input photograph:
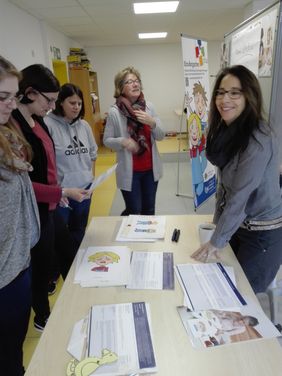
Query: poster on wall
(197, 96)
(245, 47)
(267, 30)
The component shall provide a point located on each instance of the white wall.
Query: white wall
(26, 40)
(161, 69)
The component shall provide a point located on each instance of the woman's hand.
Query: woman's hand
(76, 194)
(130, 145)
(144, 118)
(205, 252)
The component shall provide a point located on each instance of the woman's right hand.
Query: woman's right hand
(130, 145)
(76, 194)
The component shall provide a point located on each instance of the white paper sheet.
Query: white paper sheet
(151, 270)
(137, 228)
(125, 330)
(208, 286)
(101, 178)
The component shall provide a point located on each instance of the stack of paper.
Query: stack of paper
(118, 266)
(118, 337)
(103, 266)
(214, 311)
(138, 228)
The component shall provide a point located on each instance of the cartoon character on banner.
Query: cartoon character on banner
(197, 143)
(201, 104)
(102, 259)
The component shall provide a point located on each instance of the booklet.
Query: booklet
(117, 266)
(151, 270)
(140, 228)
(103, 266)
(208, 286)
(210, 328)
(118, 341)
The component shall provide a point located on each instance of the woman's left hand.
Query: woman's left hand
(205, 252)
(144, 118)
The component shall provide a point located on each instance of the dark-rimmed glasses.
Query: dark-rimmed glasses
(232, 93)
(50, 101)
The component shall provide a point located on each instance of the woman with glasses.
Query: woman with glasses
(132, 129)
(39, 89)
(19, 228)
(248, 205)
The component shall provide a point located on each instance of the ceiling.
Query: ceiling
(112, 22)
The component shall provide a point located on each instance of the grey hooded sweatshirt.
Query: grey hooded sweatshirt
(75, 149)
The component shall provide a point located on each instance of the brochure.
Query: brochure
(151, 270)
(208, 286)
(118, 341)
(211, 328)
(117, 266)
(103, 266)
(142, 228)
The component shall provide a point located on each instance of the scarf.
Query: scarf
(134, 127)
(222, 146)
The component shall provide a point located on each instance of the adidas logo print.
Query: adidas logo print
(76, 148)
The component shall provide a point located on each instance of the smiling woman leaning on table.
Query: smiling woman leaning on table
(248, 204)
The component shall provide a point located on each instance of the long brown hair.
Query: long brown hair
(8, 131)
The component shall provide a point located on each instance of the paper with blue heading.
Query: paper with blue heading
(207, 286)
(123, 330)
(151, 270)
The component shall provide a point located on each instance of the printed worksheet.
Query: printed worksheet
(142, 228)
(208, 286)
(151, 270)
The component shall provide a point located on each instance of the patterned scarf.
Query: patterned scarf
(134, 127)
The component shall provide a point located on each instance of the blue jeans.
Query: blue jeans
(260, 255)
(15, 303)
(76, 219)
(142, 197)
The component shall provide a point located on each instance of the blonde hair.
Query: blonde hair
(120, 79)
(195, 117)
(8, 132)
(98, 255)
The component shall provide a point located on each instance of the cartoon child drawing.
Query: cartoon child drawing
(201, 103)
(103, 259)
(197, 153)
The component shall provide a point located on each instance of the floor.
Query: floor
(173, 197)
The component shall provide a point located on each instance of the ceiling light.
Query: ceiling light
(151, 35)
(156, 7)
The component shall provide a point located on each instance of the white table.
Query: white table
(174, 352)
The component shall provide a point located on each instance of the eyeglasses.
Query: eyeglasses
(8, 98)
(232, 94)
(130, 82)
(49, 100)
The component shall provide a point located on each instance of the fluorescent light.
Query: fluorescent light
(151, 35)
(156, 7)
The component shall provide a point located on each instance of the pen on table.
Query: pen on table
(177, 236)
(174, 235)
